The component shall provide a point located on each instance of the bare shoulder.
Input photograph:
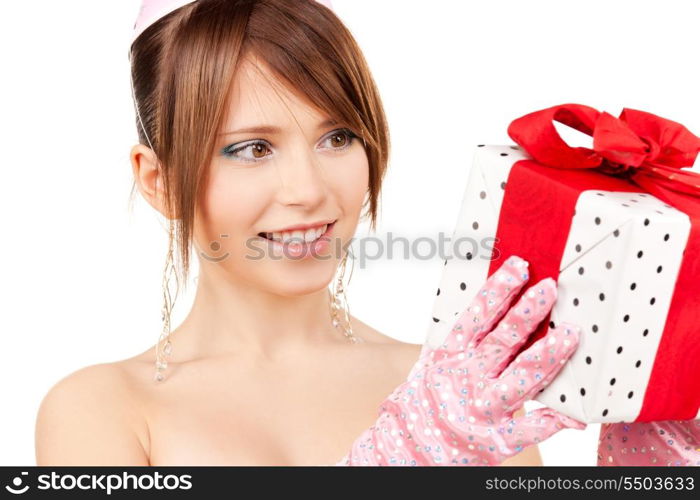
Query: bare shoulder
(91, 417)
(402, 355)
(406, 355)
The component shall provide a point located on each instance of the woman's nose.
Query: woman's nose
(302, 180)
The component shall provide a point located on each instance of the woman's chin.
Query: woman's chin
(298, 288)
(295, 280)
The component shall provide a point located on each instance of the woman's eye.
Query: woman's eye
(254, 151)
(341, 139)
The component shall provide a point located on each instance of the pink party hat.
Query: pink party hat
(152, 10)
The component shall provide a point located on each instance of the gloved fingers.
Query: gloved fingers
(537, 425)
(572, 329)
(535, 367)
(345, 461)
(487, 307)
(521, 320)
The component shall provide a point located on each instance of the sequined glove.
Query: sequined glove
(663, 443)
(456, 406)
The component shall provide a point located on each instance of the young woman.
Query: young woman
(260, 126)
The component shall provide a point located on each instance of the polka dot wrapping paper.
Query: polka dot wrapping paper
(616, 251)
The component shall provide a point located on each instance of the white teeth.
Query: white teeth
(309, 235)
(298, 236)
(314, 234)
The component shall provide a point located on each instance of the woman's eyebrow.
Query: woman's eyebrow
(271, 129)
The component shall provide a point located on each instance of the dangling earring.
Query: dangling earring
(164, 346)
(340, 311)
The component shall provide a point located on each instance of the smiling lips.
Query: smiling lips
(301, 244)
(298, 236)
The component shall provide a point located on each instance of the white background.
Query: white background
(81, 273)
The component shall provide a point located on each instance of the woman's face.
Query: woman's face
(279, 163)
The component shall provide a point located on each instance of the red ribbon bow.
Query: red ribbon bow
(644, 148)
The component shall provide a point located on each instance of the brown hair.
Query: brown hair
(183, 66)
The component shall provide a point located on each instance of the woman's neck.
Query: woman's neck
(235, 318)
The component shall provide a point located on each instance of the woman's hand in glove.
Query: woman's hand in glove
(659, 443)
(456, 406)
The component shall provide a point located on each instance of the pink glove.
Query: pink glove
(456, 406)
(671, 442)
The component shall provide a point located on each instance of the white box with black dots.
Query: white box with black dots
(617, 278)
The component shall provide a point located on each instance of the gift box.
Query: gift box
(618, 227)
